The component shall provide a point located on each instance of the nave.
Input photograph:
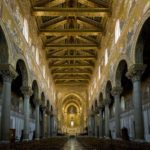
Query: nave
(74, 68)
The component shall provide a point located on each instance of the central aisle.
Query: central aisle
(73, 144)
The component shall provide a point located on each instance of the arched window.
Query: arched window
(99, 72)
(33, 49)
(94, 83)
(37, 56)
(106, 57)
(54, 96)
(72, 123)
(122, 103)
(117, 30)
(91, 92)
(44, 71)
(48, 83)
(26, 30)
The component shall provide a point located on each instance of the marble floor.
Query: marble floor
(73, 144)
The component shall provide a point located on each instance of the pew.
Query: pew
(44, 144)
(92, 143)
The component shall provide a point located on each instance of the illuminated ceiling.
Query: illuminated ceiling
(71, 32)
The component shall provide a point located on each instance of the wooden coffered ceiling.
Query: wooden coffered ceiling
(71, 32)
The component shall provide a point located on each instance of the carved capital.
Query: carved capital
(117, 90)
(38, 101)
(51, 114)
(8, 72)
(92, 114)
(107, 101)
(26, 91)
(43, 108)
(135, 72)
(48, 112)
(101, 106)
(96, 111)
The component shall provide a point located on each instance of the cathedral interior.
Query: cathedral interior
(75, 68)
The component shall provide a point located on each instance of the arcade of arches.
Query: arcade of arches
(74, 67)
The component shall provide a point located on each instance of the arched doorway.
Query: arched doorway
(72, 119)
(108, 106)
(17, 98)
(125, 89)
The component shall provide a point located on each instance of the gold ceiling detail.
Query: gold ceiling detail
(70, 12)
(71, 31)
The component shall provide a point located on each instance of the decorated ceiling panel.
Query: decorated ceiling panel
(71, 31)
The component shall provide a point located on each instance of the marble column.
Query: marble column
(54, 125)
(37, 120)
(116, 91)
(43, 121)
(92, 124)
(27, 92)
(100, 122)
(107, 102)
(95, 125)
(89, 125)
(90, 131)
(49, 124)
(8, 73)
(135, 73)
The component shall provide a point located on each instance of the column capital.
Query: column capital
(107, 101)
(91, 113)
(48, 112)
(8, 72)
(96, 111)
(26, 90)
(100, 107)
(135, 72)
(117, 90)
(43, 108)
(51, 114)
(38, 101)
